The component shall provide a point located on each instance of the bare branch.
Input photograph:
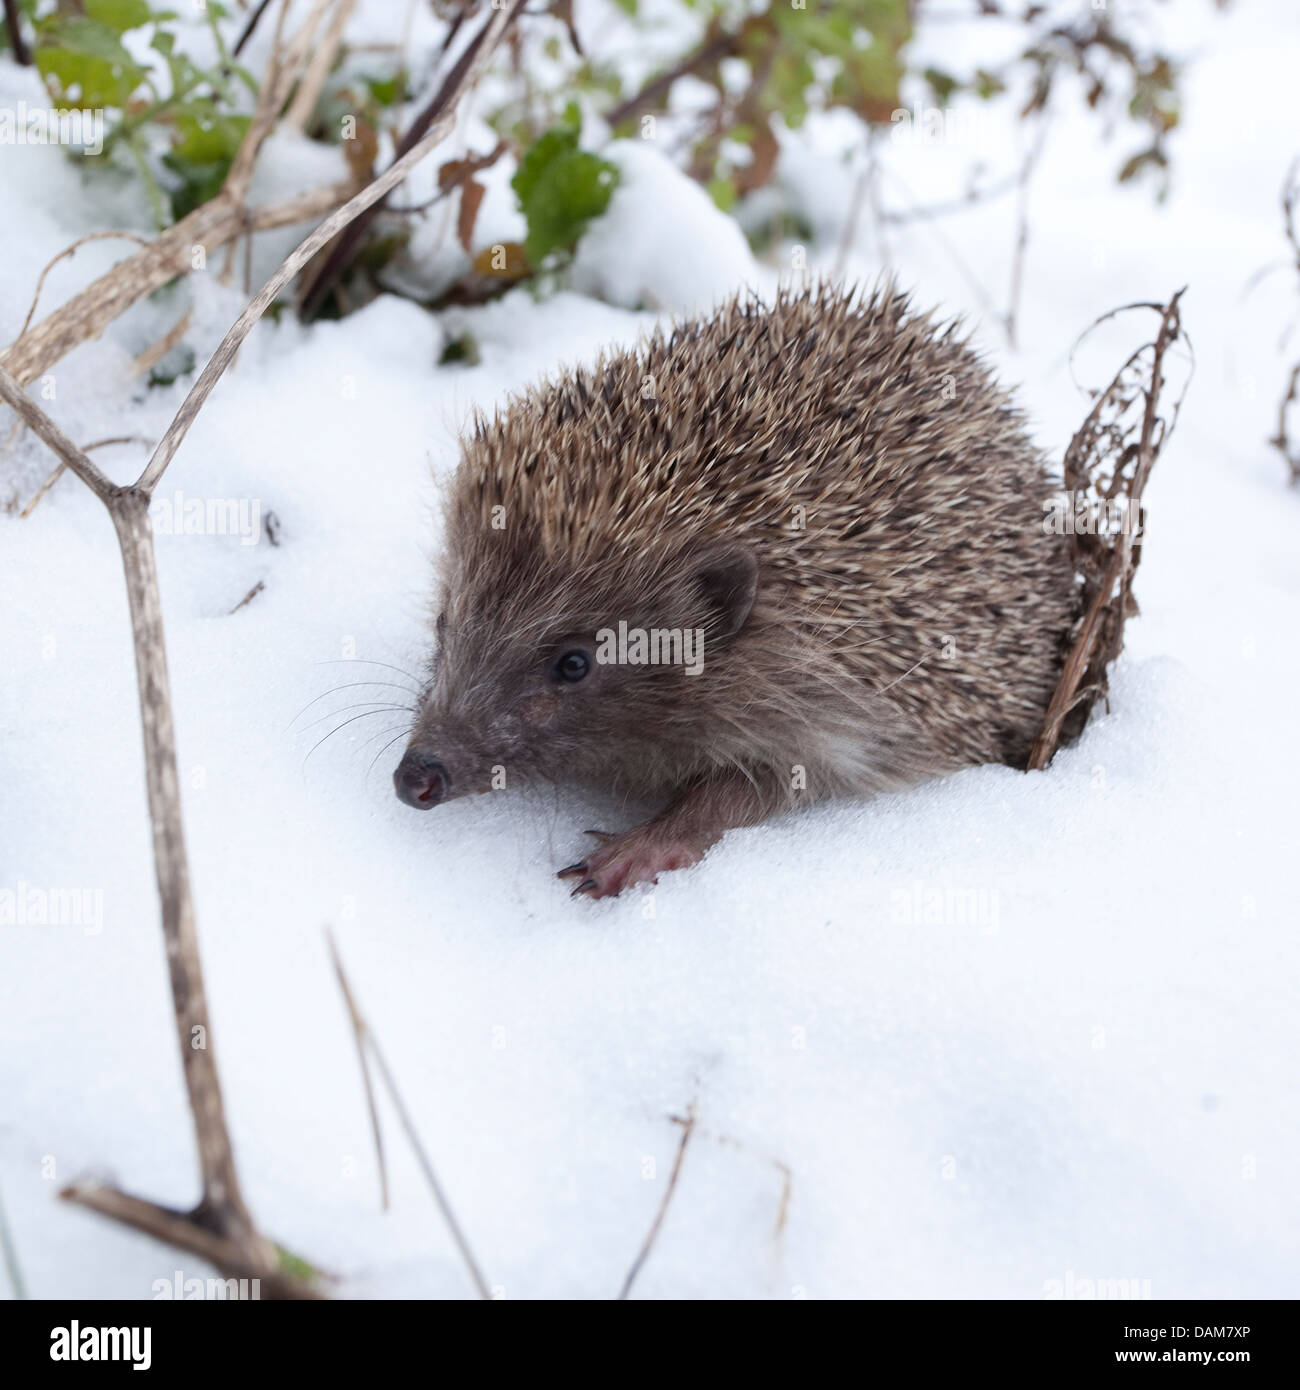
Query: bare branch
(287, 61)
(22, 54)
(221, 1227)
(249, 596)
(688, 1128)
(155, 352)
(10, 1253)
(1281, 440)
(1110, 438)
(68, 452)
(87, 314)
(434, 116)
(253, 20)
(181, 1230)
(412, 1134)
(62, 468)
(330, 228)
(360, 1033)
(1023, 183)
(72, 251)
(318, 69)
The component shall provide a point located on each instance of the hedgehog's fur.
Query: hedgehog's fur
(910, 606)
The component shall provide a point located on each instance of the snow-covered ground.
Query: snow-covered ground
(1088, 1077)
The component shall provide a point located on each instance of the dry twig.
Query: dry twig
(318, 70)
(173, 252)
(435, 115)
(360, 1032)
(22, 54)
(367, 1042)
(1110, 457)
(1281, 441)
(220, 1228)
(688, 1128)
(86, 315)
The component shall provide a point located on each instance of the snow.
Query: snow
(997, 1031)
(630, 258)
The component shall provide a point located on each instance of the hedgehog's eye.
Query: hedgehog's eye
(571, 666)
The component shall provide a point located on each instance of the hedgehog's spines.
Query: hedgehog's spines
(908, 587)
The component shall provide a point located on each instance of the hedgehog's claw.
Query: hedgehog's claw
(635, 856)
(604, 836)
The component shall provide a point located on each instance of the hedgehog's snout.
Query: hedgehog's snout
(421, 781)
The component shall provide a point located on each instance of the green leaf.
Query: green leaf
(84, 64)
(387, 91)
(120, 15)
(555, 144)
(723, 193)
(463, 350)
(202, 153)
(207, 134)
(942, 84)
(560, 189)
(988, 84)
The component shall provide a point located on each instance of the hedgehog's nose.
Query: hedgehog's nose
(421, 781)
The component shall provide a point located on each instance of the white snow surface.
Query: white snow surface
(1093, 1079)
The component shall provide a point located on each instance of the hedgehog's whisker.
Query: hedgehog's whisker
(366, 715)
(401, 734)
(365, 661)
(375, 706)
(348, 685)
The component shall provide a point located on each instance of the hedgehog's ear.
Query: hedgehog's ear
(725, 578)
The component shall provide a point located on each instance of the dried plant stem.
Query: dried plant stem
(688, 1128)
(360, 1033)
(1011, 319)
(156, 351)
(1281, 441)
(45, 429)
(706, 56)
(172, 254)
(261, 301)
(186, 1231)
(63, 467)
(318, 69)
(67, 252)
(10, 1253)
(426, 130)
(221, 1212)
(220, 1228)
(366, 1040)
(22, 54)
(1110, 563)
(253, 21)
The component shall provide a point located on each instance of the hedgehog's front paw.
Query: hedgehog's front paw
(636, 856)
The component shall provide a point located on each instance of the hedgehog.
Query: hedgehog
(782, 553)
